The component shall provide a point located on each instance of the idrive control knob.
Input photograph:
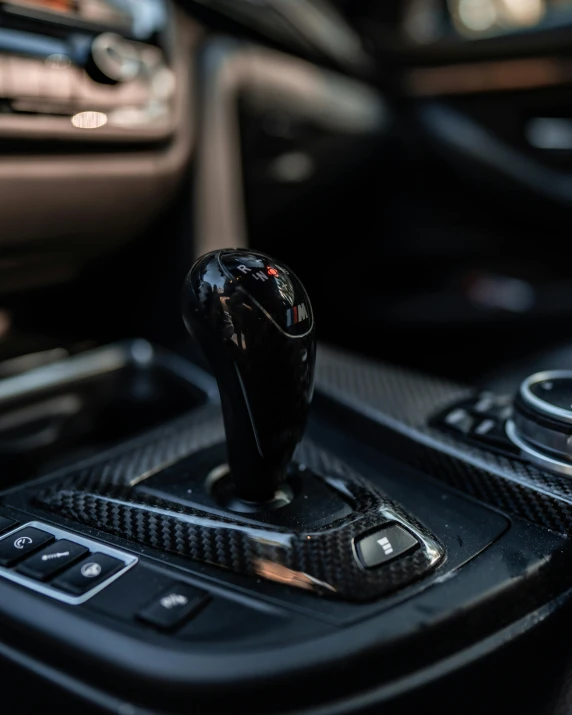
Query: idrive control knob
(541, 424)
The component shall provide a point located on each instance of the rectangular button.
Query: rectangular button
(491, 431)
(484, 427)
(48, 562)
(174, 606)
(6, 524)
(385, 545)
(84, 576)
(21, 543)
(459, 420)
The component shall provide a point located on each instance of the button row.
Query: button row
(59, 565)
(70, 569)
(480, 419)
(48, 562)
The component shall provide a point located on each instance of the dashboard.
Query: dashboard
(141, 17)
(95, 124)
(87, 66)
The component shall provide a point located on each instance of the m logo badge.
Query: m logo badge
(296, 314)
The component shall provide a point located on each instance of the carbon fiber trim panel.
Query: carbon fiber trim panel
(102, 493)
(401, 402)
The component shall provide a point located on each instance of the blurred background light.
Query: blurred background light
(476, 17)
(521, 13)
(89, 120)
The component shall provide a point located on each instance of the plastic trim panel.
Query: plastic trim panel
(398, 404)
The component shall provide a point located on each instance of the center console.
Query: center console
(310, 513)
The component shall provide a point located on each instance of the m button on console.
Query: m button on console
(385, 545)
(20, 543)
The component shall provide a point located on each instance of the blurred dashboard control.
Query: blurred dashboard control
(117, 58)
(110, 64)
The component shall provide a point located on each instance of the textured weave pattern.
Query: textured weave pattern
(99, 494)
(402, 402)
(148, 454)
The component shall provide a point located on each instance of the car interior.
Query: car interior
(285, 307)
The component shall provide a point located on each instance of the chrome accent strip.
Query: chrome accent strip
(65, 372)
(538, 458)
(540, 404)
(100, 361)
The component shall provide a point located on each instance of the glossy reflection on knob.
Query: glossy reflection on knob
(253, 319)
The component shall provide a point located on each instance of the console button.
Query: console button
(385, 545)
(485, 403)
(491, 431)
(174, 606)
(84, 576)
(54, 558)
(18, 545)
(489, 405)
(459, 420)
(6, 524)
(485, 427)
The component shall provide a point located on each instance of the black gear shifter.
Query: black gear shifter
(253, 319)
(320, 526)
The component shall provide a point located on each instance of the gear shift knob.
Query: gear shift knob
(253, 320)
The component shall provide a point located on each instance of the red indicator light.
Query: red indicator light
(272, 272)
